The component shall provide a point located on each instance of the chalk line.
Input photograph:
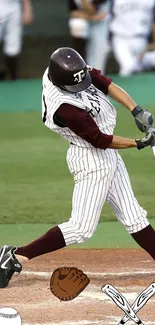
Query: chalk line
(80, 322)
(102, 297)
(114, 321)
(95, 274)
(130, 296)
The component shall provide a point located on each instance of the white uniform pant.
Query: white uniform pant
(127, 50)
(11, 28)
(98, 44)
(100, 175)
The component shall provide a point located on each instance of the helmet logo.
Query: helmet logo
(79, 76)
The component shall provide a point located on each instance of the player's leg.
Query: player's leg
(89, 195)
(123, 55)
(92, 179)
(12, 42)
(92, 174)
(2, 28)
(128, 210)
(148, 60)
(138, 45)
(88, 198)
(98, 45)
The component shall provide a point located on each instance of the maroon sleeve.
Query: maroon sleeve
(81, 123)
(99, 81)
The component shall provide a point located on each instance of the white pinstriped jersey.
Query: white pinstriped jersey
(92, 100)
(8, 8)
(132, 17)
(9, 2)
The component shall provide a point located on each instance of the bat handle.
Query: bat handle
(153, 141)
(153, 147)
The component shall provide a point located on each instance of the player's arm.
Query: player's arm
(82, 124)
(27, 12)
(143, 118)
(121, 96)
(87, 11)
(88, 7)
(106, 85)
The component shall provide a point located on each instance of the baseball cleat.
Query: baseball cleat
(8, 264)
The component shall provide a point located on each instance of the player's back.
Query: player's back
(124, 12)
(92, 100)
(7, 7)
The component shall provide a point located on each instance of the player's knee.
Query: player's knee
(75, 232)
(137, 225)
(83, 233)
(12, 50)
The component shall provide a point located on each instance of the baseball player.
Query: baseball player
(132, 21)
(89, 26)
(75, 104)
(13, 13)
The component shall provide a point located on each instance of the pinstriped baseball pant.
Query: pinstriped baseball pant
(99, 175)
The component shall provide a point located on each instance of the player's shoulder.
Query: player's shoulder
(48, 85)
(93, 71)
(54, 93)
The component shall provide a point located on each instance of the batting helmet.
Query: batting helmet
(68, 70)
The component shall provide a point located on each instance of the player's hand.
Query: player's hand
(143, 118)
(27, 17)
(147, 140)
(99, 16)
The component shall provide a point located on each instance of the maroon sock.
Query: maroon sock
(49, 242)
(146, 239)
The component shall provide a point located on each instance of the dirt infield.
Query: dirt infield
(131, 271)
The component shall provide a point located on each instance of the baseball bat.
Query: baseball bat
(140, 301)
(121, 302)
(153, 147)
(153, 141)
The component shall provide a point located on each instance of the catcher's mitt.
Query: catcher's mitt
(68, 282)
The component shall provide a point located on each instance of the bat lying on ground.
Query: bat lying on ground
(122, 303)
(140, 301)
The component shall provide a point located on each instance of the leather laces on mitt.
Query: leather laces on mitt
(68, 282)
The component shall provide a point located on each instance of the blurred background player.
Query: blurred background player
(88, 24)
(147, 57)
(132, 21)
(13, 13)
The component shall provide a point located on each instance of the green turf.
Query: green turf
(109, 234)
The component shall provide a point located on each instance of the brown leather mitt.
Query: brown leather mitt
(68, 282)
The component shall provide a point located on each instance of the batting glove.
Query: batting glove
(146, 141)
(143, 118)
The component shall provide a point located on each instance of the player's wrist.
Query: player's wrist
(139, 144)
(136, 110)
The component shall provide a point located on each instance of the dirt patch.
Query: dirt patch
(131, 271)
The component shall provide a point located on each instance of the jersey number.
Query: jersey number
(45, 112)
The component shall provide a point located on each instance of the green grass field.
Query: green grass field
(35, 184)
